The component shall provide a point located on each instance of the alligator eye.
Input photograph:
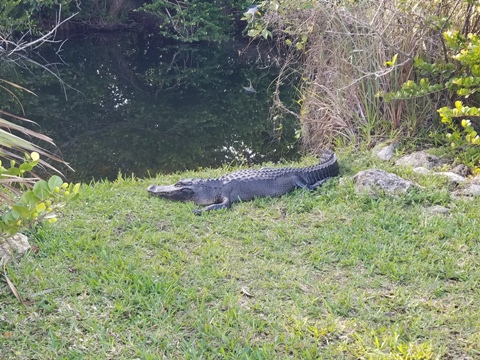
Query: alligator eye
(183, 183)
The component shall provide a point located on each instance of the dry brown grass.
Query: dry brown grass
(342, 63)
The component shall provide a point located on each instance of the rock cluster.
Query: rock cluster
(421, 162)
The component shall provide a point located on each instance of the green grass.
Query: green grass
(333, 274)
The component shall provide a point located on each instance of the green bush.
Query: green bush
(22, 15)
(460, 80)
(30, 199)
(197, 20)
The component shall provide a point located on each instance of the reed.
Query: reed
(342, 53)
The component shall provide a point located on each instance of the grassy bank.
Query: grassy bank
(324, 274)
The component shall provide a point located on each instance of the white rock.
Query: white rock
(419, 159)
(421, 170)
(471, 190)
(455, 178)
(437, 209)
(373, 178)
(385, 151)
(12, 245)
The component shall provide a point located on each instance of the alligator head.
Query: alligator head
(200, 191)
(183, 190)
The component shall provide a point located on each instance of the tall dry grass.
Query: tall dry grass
(344, 48)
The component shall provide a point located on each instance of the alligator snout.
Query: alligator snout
(151, 188)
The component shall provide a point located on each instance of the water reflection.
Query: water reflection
(137, 104)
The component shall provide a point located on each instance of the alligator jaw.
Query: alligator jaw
(171, 192)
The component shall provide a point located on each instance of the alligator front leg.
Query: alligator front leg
(225, 204)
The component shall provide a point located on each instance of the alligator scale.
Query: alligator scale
(244, 185)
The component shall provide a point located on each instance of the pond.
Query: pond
(139, 104)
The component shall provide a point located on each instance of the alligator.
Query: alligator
(245, 185)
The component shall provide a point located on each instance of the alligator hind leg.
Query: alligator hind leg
(317, 184)
(302, 183)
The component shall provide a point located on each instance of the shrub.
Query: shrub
(337, 52)
(26, 198)
(30, 199)
(461, 80)
(196, 20)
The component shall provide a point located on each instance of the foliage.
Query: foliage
(186, 21)
(333, 50)
(256, 28)
(462, 136)
(30, 204)
(338, 50)
(36, 15)
(281, 18)
(23, 15)
(196, 20)
(13, 15)
(468, 133)
(26, 199)
(460, 79)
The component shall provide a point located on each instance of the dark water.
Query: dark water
(138, 104)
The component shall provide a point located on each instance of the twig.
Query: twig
(45, 38)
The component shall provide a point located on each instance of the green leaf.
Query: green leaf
(21, 209)
(266, 34)
(9, 218)
(13, 171)
(26, 166)
(41, 189)
(40, 207)
(54, 181)
(391, 62)
(15, 214)
(253, 32)
(29, 199)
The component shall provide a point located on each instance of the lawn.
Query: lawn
(326, 274)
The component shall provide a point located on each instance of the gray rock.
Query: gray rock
(17, 244)
(452, 177)
(475, 180)
(385, 151)
(471, 190)
(438, 210)
(421, 170)
(419, 159)
(373, 179)
(461, 170)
